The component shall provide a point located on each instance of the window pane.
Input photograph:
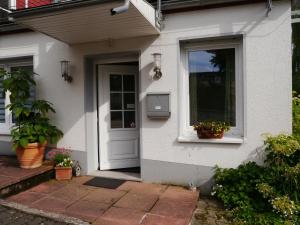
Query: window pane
(129, 101)
(212, 85)
(129, 84)
(115, 83)
(129, 119)
(116, 120)
(115, 101)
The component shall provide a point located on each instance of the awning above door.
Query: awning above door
(80, 23)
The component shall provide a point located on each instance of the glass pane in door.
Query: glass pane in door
(115, 82)
(129, 101)
(116, 101)
(129, 83)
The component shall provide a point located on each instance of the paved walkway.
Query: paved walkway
(10, 216)
(132, 203)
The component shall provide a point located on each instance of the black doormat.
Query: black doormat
(105, 182)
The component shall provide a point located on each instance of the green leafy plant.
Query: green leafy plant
(61, 157)
(31, 116)
(268, 194)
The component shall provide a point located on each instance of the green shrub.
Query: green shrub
(268, 194)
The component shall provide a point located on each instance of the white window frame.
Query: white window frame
(186, 132)
(5, 127)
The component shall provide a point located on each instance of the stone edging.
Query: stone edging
(41, 213)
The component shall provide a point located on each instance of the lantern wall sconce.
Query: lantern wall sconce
(157, 65)
(65, 71)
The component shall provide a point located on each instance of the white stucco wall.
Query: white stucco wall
(267, 75)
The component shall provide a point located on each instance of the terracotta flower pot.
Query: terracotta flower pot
(32, 156)
(63, 173)
(208, 134)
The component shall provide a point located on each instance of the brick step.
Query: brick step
(14, 179)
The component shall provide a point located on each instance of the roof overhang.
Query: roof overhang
(90, 20)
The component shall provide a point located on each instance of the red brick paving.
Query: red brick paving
(51, 204)
(133, 203)
(127, 216)
(142, 202)
(107, 196)
(86, 210)
(144, 188)
(48, 187)
(26, 198)
(180, 194)
(173, 208)
(70, 193)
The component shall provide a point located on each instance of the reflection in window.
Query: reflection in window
(212, 85)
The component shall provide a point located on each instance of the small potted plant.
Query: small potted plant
(63, 163)
(211, 129)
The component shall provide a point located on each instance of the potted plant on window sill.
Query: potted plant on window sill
(211, 129)
(32, 129)
(63, 163)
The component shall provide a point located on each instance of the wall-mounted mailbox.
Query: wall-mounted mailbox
(158, 105)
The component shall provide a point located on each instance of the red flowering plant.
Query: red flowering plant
(61, 157)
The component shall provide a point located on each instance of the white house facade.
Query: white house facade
(227, 62)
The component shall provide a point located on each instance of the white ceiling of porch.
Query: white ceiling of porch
(95, 23)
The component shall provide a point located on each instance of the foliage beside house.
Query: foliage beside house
(268, 194)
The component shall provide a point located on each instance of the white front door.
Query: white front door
(118, 116)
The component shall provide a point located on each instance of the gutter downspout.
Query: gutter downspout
(121, 9)
(159, 17)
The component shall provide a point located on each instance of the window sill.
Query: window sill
(224, 140)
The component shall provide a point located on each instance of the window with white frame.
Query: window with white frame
(6, 117)
(212, 85)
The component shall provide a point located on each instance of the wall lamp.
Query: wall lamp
(157, 65)
(65, 70)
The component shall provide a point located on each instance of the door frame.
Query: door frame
(115, 60)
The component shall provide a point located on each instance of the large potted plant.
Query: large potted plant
(211, 129)
(32, 128)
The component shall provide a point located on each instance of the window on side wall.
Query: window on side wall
(6, 117)
(212, 86)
